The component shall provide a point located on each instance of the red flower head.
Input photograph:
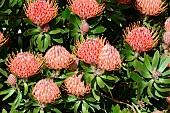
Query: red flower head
(75, 86)
(46, 91)
(140, 38)
(109, 58)
(24, 64)
(41, 12)
(86, 8)
(167, 24)
(89, 50)
(58, 57)
(150, 7)
(2, 39)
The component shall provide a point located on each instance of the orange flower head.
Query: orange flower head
(12, 80)
(75, 86)
(46, 91)
(140, 38)
(167, 24)
(57, 57)
(121, 2)
(86, 9)
(109, 58)
(24, 64)
(89, 50)
(150, 7)
(166, 38)
(40, 12)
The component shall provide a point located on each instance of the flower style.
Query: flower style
(41, 12)
(86, 9)
(24, 64)
(140, 38)
(150, 7)
(3, 40)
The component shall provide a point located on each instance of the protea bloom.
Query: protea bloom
(86, 9)
(41, 12)
(167, 24)
(140, 38)
(124, 1)
(89, 50)
(24, 64)
(12, 80)
(46, 91)
(150, 7)
(57, 57)
(166, 38)
(109, 58)
(75, 86)
(2, 39)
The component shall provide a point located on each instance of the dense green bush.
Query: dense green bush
(140, 84)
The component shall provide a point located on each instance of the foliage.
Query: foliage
(141, 85)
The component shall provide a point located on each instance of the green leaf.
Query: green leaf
(116, 109)
(4, 111)
(3, 72)
(163, 81)
(25, 88)
(100, 82)
(98, 29)
(36, 110)
(162, 59)
(6, 91)
(147, 63)
(97, 97)
(130, 57)
(136, 77)
(142, 69)
(76, 106)
(17, 100)
(59, 40)
(84, 108)
(141, 86)
(161, 89)
(164, 65)
(32, 31)
(66, 13)
(8, 95)
(155, 60)
(56, 31)
(166, 73)
(90, 99)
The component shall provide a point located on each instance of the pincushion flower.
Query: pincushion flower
(150, 7)
(40, 12)
(46, 91)
(75, 86)
(140, 38)
(109, 58)
(24, 64)
(88, 51)
(57, 57)
(86, 9)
